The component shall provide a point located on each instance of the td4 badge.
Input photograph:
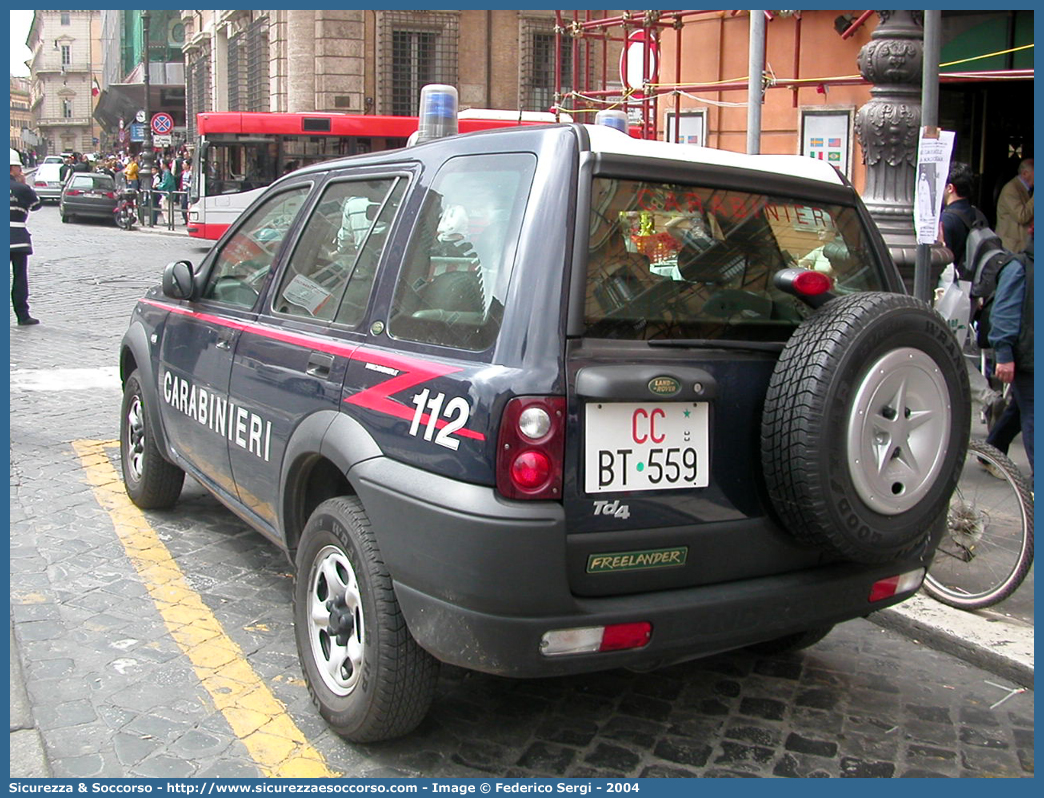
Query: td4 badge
(613, 508)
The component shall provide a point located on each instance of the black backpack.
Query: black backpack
(984, 257)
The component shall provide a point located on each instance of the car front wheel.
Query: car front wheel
(366, 674)
(152, 482)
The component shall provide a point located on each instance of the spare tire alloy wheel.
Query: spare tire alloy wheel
(865, 426)
(366, 674)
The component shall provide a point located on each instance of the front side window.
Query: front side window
(245, 260)
(332, 269)
(695, 262)
(452, 288)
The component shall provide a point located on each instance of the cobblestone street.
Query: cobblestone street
(116, 690)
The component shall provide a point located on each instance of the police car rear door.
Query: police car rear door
(292, 364)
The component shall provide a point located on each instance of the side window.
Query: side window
(452, 288)
(332, 269)
(241, 266)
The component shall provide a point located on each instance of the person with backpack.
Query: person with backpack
(959, 216)
(1011, 336)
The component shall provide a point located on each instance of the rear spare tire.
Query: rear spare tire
(865, 426)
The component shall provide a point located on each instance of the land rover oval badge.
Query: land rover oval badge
(664, 386)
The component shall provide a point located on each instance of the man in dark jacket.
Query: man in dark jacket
(958, 214)
(23, 200)
(1011, 336)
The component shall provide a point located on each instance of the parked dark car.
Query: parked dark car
(547, 400)
(89, 194)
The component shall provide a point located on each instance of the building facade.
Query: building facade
(22, 136)
(65, 67)
(374, 61)
(123, 75)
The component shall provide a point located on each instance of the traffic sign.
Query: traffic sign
(161, 140)
(137, 132)
(140, 116)
(162, 123)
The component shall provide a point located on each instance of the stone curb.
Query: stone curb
(28, 759)
(983, 638)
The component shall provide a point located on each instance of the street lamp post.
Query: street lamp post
(145, 172)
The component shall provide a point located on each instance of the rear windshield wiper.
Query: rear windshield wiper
(712, 343)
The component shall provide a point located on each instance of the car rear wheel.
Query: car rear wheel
(366, 674)
(152, 482)
(865, 426)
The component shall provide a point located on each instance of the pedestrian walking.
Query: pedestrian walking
(1011, 336)
(185, 182)
(1015, 208)
(959, 214)
(131, 173)
(23, 200)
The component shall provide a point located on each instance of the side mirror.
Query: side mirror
(178, 282)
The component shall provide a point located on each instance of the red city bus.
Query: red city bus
(239, 154)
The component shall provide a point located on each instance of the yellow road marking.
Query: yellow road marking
(256, 716)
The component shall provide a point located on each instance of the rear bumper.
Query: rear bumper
(479, 587)
(89, 209)
(686, 624)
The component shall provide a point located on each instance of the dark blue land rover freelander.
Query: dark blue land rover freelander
(547, 400)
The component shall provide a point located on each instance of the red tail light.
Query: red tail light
(110, 194)
(531, 447)
(810, 283)
(41, 183)
(73, 192)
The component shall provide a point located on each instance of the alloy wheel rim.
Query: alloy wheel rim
(335, 631)
(898, 431)
(136, 439)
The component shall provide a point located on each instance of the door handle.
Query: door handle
(224, 343)
(319, 364)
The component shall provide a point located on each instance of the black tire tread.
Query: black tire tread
(161, 481)
(405, 691)
(794, 406)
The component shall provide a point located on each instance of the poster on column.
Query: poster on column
(933, 166)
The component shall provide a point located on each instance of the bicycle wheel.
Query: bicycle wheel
(987, 548)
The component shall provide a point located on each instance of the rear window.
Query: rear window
(102, 182)
(676, 261)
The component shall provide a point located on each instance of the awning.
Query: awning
(124, 100)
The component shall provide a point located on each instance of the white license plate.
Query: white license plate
(636, 446)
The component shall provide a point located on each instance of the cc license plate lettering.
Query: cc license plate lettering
(640, 446)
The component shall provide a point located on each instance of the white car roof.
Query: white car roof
(609, 140)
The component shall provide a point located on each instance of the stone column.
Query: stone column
(888, 127)
(300, 36)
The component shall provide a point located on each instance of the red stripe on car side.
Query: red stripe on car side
(376, 397)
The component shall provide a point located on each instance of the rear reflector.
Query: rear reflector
(894, 585)
(595, 639)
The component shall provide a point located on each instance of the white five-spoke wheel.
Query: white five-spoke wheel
(900, 413)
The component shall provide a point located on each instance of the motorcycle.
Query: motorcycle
(126, 211)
